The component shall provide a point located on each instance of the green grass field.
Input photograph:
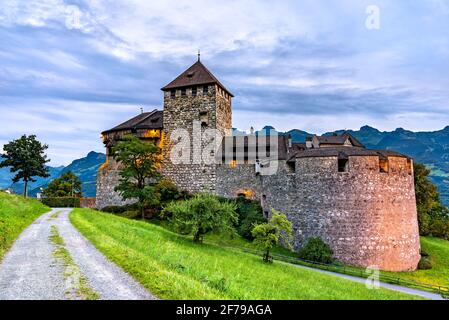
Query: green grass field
(438, 249)
(173, 267)
(16, 213)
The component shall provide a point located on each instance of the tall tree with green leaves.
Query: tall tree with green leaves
(267, 235)
(27, 157)
(67, 185)
(427, 197)
(202, 214)
(139, 162)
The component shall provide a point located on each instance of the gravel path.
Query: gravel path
(31, 271)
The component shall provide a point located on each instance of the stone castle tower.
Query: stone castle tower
(194, 102)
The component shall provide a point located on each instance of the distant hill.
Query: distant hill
(85, 168)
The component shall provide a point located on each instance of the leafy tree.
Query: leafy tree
(27, 157)
(139, 162)
(267, 235)
(426, 196)
(201, 214)
(67, 185)
(439, 221)
(250, 213)
(433, 216)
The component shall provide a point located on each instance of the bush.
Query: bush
(424, 264)
(316, 250)
(130, 214)
(424, 253)
(62, 202)
(167, 191)
(114, 209)
(250, 213)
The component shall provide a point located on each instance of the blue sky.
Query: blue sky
(71, 69)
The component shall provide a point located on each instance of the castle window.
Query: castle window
(291, 166)
(173, 93)
(409, 166)
(383, 165)
(194, 91)
(343, 165)
(204, 118)
(183, 92)
(205, 89)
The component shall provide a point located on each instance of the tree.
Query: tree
(439, 221)
(202, 214)
(426, 197)
(27, 157)
(267, 235)
(67, 185)
(139, 162)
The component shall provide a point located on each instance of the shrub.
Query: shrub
(201, 214)
(114, 209)
(62, 202)
(424, 264)
(250, 213)
(129, 214)
(316, 250)
(167, 191)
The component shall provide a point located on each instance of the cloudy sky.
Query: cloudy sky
(71, 69)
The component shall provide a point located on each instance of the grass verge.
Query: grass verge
(173, 267)
(16, 213)
(78, 287)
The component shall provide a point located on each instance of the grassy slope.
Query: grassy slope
(16, 213)
(438, 250)
(173, 267)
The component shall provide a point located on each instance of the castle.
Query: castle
(359, 201)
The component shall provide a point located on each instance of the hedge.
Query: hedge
(62, 202)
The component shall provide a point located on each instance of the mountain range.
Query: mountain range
(429, 148)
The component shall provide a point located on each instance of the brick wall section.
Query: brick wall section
(367, 217)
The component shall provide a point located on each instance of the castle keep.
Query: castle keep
(359, 201)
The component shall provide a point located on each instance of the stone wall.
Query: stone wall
(107, 179)
(368, 218)
(180, 113)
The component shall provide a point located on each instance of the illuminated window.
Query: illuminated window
(233, 164)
